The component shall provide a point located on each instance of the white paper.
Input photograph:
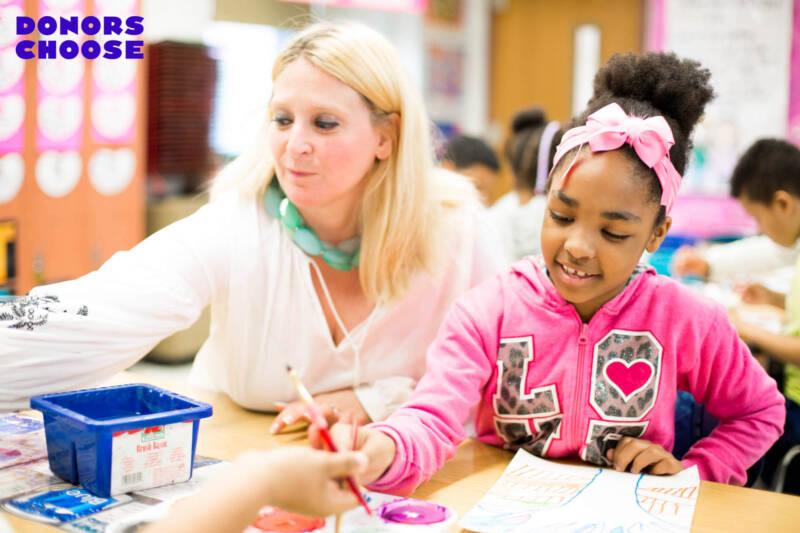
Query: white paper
(538, 495)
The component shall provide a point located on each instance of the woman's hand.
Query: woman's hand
(379, 447)
(639, 455)
(332, 405)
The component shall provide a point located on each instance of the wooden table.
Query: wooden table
(467, 477)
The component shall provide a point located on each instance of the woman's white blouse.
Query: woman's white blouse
(264, 314)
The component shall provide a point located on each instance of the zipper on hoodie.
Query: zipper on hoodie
(575, 422)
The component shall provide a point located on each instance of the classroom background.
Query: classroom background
(96, 155)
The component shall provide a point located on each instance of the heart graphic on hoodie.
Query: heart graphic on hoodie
(629, 378)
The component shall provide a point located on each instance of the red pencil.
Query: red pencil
(318, 420)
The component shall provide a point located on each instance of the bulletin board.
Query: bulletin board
(747, 46)
(445, 64)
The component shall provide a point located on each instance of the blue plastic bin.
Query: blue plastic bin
(111, 440)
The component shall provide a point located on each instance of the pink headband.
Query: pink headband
(610, 127)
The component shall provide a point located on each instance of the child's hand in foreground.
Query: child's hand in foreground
(298, 480)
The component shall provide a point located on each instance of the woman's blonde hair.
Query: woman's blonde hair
(401, 211)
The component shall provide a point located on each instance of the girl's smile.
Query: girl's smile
(598, 223)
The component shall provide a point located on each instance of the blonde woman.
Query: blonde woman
(332, 246)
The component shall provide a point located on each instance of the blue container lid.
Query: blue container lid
(122, 407)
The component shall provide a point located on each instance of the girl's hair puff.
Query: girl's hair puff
(654, 84)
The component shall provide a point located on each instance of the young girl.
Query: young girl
(580, 352)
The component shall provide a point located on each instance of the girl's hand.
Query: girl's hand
(375, 444)
(639, 455)
(332, 405)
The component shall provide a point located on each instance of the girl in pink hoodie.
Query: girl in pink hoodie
(580, 352)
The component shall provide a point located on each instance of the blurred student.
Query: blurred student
(766, 181)
(473, 158)
(746, 257)
(530, 149)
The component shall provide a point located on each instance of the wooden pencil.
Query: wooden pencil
(319, 420)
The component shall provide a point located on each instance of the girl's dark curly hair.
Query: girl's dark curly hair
(651, 84)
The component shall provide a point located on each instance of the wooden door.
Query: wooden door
(532, 53)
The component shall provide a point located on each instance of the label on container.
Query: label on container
(151, 457)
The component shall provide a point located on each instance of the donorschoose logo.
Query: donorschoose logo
(107, 37)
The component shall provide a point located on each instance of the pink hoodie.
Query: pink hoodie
(545, 381)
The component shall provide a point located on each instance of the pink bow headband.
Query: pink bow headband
(610, 127)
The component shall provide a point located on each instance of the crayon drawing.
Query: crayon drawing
(535, 494)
